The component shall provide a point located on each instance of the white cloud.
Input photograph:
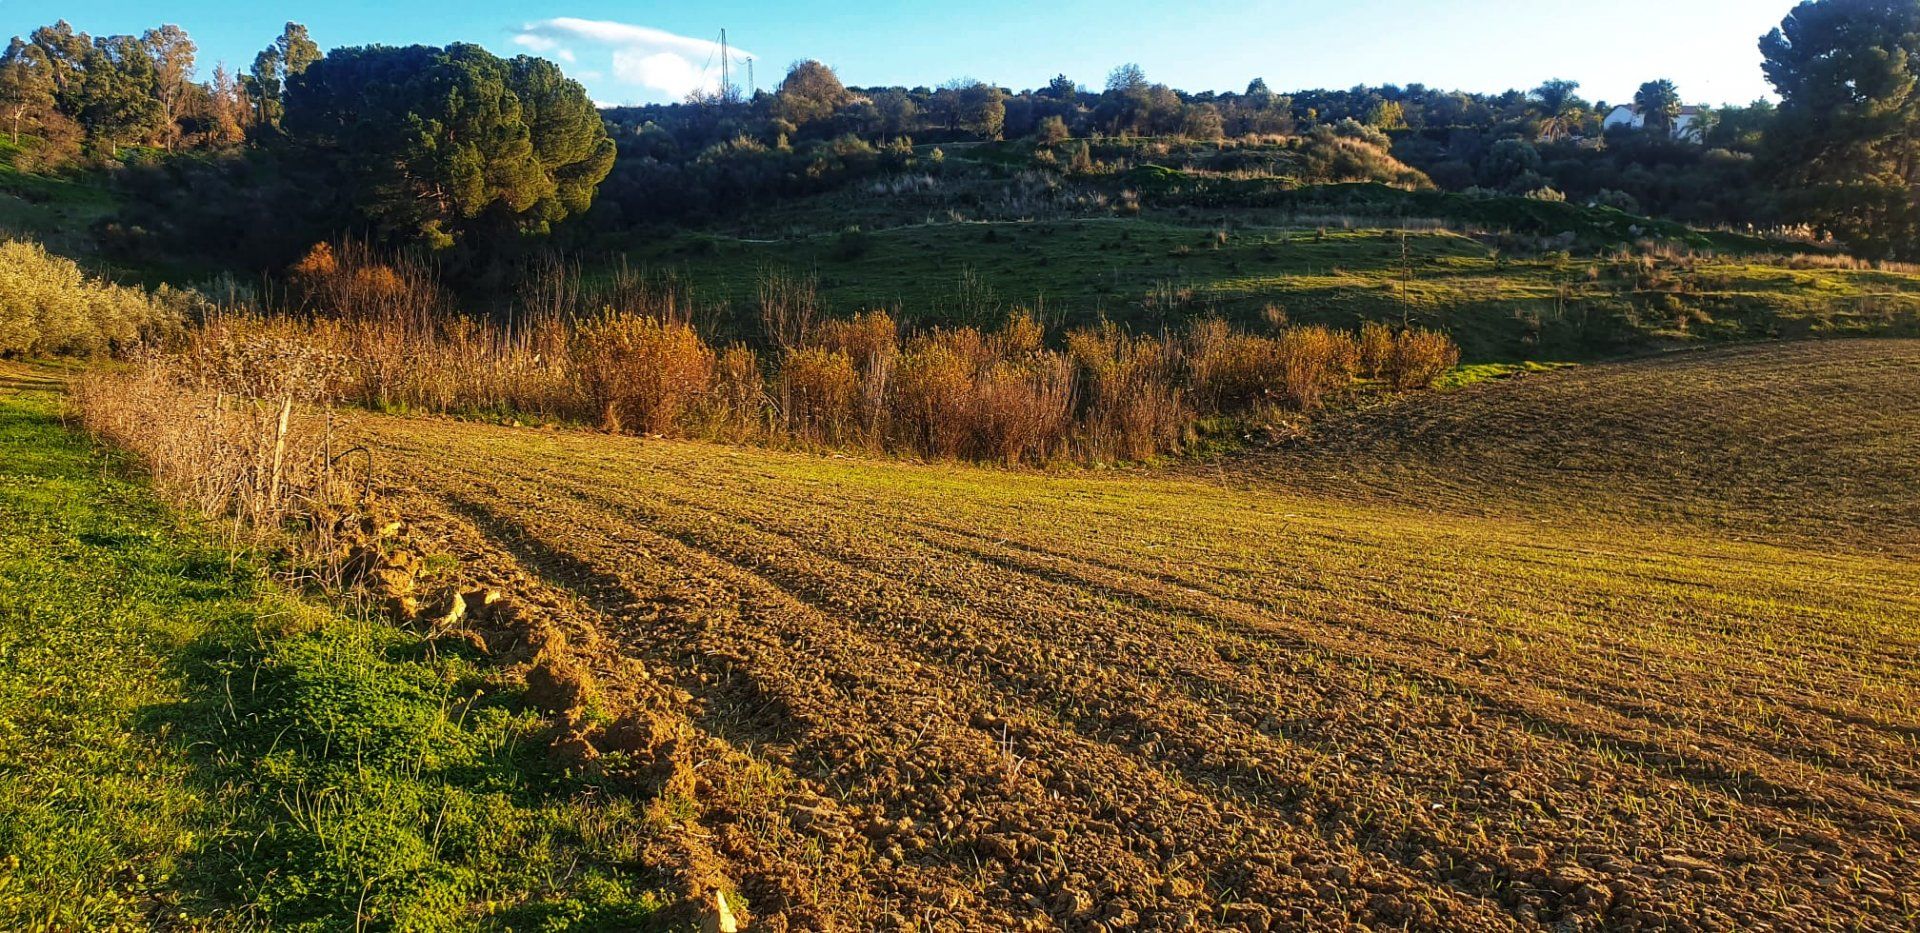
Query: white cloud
(543, 45)
(644, 62)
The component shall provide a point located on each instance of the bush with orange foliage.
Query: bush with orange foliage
(871, 341)
(642, 374)
(817, 389)
(1419, 357)
(1314, 361)
(1132, 407)
(391, 340)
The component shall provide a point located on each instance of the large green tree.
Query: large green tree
(1846, 141)
(108, 86)
(811, 92)
(26, 84)
(444, 145)
(291, 54)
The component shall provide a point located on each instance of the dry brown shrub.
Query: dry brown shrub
(255, 450)
(931, 393)
(1376, 348)
(1022, 411)
(1419, 357)
(642, 374)
(1314, 361)
(1021, 335)
(355, 281)
(789, 309)
(817, 392)
(1132, 407)
(871, 339)
(737, 403)
(1227, 370)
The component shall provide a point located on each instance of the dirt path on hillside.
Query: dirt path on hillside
(943, 698)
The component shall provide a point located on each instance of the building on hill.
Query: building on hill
(1686, 126)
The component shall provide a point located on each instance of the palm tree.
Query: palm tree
(1659, 103)
(1560, 109)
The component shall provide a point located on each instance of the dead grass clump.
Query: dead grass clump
(248, 448)
(789, 309)
(930, 400)
(871, 340)
(354, 281)
(1228, 370)
(642, 374)
(1020, 335)
(1233, 372)
(737, 403)
(1023, 410)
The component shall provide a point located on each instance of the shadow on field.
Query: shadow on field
(18, 378)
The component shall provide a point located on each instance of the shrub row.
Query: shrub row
(368, 334)
(49, 306)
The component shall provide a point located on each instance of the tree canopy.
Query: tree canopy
(1846, 141)
(443, 144)
(1659, 103)
(289, 55)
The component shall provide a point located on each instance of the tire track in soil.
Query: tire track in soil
(1152, 795)
(1186, 604)
(483, 539)
(1191, 599)
(1710, 778)
(615, 507)
(1627, 708)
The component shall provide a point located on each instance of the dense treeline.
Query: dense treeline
(287, 145)
(437, 146)
(811, 132)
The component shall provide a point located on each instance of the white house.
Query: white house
(1685, 126)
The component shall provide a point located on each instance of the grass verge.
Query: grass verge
(185, 743)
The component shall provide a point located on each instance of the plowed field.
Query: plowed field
(1427, 676)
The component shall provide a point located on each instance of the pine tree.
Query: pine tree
(1846, 143)
(445, 145)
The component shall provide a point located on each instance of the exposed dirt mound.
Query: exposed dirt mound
(1806, 441)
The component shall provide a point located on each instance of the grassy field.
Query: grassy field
(58, 210)
(1261, 696)
(1163, 269)
(184, 744)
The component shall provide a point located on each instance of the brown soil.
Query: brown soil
(871, 696)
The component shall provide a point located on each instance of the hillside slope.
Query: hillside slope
(1160, 270)
(1815, 442)
(952, 698)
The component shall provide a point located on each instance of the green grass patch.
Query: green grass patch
(58, 209)
(1462, 376)
(184, 742)
(1163, 270)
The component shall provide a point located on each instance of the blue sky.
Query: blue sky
(641, 51)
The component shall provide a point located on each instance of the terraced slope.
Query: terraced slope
(1816, 442)
(947, 698)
